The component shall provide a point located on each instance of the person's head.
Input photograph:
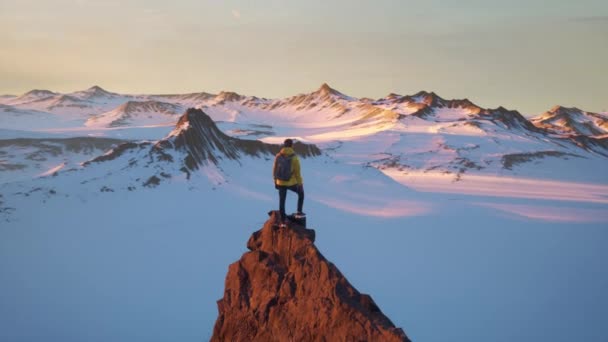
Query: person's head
(288, 143)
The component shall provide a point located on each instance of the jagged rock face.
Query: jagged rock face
(228, 96)
(324, 98)
(199, 136)
(285, 290)
(509, 118)
(200, 142)
(204, 143)
(34, 95)
(564, 120)
(95, 92)
(598, 145)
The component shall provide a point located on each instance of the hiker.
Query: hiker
(286, 173)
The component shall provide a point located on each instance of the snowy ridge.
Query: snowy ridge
(25, 158)
(95, 93)
(411, 133)
(458, 202)
(562, 120)
(143, 112)
(195, 143)
(30, 96)
(197, 134)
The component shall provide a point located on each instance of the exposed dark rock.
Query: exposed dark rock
(572, 121)
(283, 289)
(197, 134)
(598, 145)
(510, 160)
(117, 152)
(152, 182)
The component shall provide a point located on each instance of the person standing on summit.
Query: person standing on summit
(286, 174)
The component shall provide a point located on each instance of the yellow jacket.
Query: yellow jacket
(296, 177)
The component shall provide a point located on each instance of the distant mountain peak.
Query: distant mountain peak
(426, 93)
(198, 135)
(35, 95)
(97, 88)
(229, 96)
(565, 120)
(325, 89)
(39, 92)
(426, 96)
(562, 109)
(96, 91)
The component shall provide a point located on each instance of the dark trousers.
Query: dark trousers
(283, 194)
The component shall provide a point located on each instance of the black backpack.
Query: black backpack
(282, 169)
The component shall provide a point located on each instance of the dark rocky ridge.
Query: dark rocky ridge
(429, 102)
(283, 289)
(509, 118)
(598, 145)
(323, 98)
(198, 137)
(96, 92)
(572, 121)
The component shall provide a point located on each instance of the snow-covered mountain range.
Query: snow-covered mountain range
(398, 134)
(453, 200)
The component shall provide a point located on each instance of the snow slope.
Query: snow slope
(564, 120)
(449, 214)
(143, 112)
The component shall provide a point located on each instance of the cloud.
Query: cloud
(236, 14)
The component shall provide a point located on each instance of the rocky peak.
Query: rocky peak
(565, 120)
(326, 92)
(197, 135)
(561, 112)
(284, 289)
(557, 109)
(95, 92)
(428, 98)
(325, 89)
(39, 93)
(96, 88)
(509, 118)
(323, 98)
(34, 95)
(228, 96)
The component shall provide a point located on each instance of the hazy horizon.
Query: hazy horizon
(523, 55)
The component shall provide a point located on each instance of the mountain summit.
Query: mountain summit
(325, 89)
(197, 135)
(95, 92)
(194, 143)
(285, 290)
(565, 120)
